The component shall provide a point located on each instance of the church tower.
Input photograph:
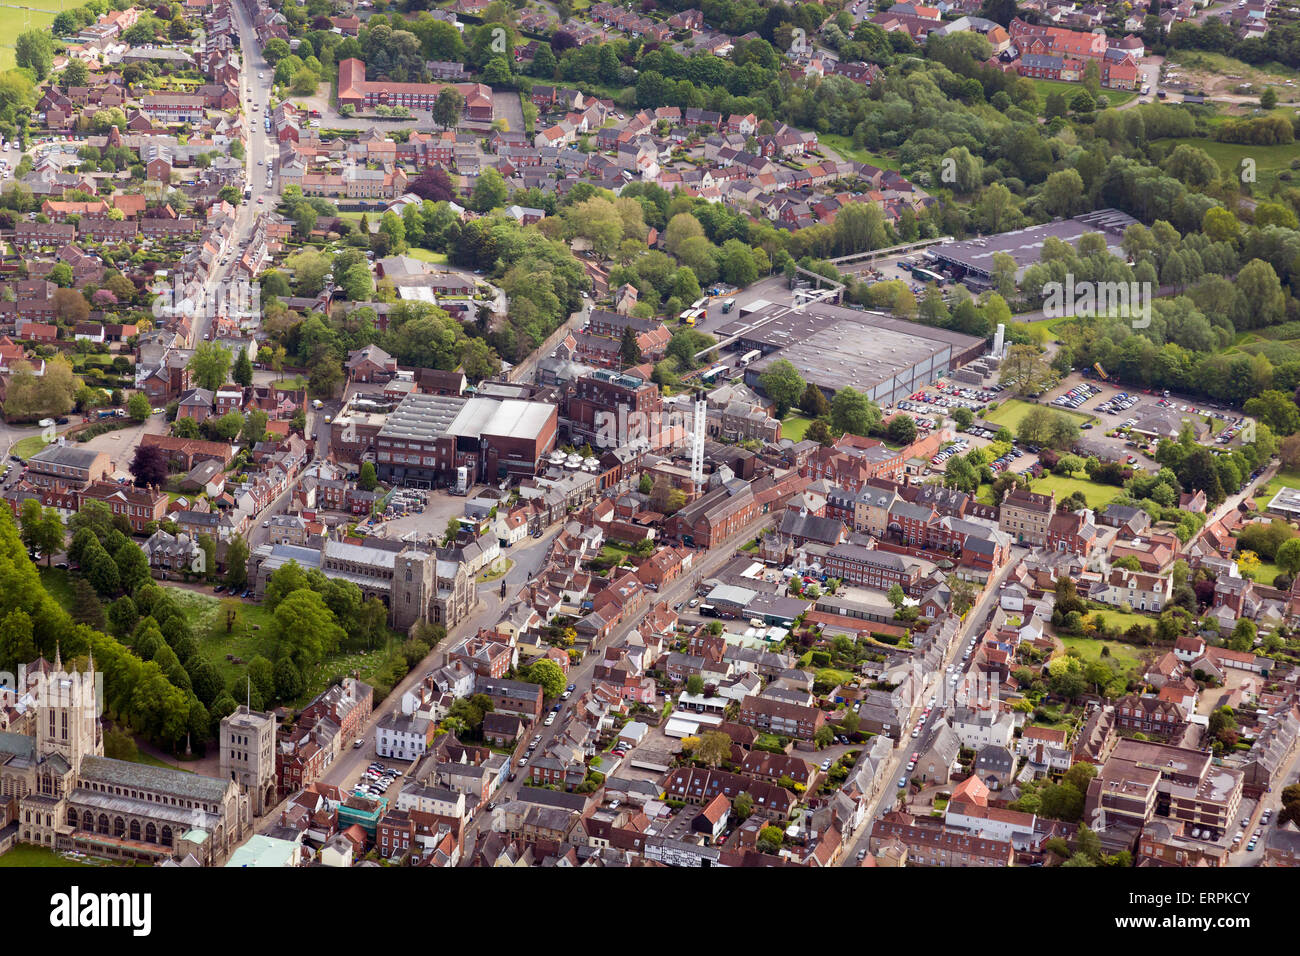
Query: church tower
(67, 715)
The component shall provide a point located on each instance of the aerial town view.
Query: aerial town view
(667, 433)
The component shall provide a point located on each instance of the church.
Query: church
(58, 790)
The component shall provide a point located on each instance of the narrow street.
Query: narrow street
(887, 797)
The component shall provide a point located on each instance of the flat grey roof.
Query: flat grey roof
(1026, 245)
(837, 347)
(423, 417)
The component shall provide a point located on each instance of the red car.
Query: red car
(619, 753)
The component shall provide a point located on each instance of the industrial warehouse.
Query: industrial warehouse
(971, 260)
(883, 357)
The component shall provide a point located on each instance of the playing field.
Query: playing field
(32, 15)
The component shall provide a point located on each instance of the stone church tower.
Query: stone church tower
(414, 587)
(67, 715)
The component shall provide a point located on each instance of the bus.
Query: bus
(728, 305)
(749, 357)
(700, 303)
(713, 373)
(925, 275)
(691, 316)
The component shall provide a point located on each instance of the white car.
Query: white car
(550, 719)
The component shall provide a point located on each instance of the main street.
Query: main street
(975, 624)
(257, 154)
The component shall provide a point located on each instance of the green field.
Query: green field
(1098, 495)
(1268, 160)
(35, 15)
(1265, 573)
(28, 446)
(424, 255)
(794, 427)
(251, 636)
(1046, 87)
(1090, 649)
(844, 146)
(1013, 410)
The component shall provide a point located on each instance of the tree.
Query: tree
(902, 429)
(813, 402)
(209, 365)
(896, 596)
(964, 417)
(547, 673)
(629, 350)
(237, 563)
(366, 478)
(243, 373)
(304, 628)
(714, 748)
(448, 107)
(1023, 370)
(490, 191)
(744, 804)
(1268, 99)
(287, 679)
(34, 49)
(853, 412)
(254, 427)
(1288, 556)
(783, 384)
(139, 407)
(132, 567)
(695, 685)
(149, 467)
(42, 529)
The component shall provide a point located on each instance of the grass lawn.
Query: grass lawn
(794, 427)
(35, 15)
(844, 146)
(1122, 619)
(1268, 160)
(500, 572)
(1265, 573)
(24, 854)
(1013, 410)
(834, 677)
(1090, 649)
(1283, 479)
(251, 636)
(58, 584)
(1112, 97)
(1098, 495)
(28, 446)
(149, 760)
(424, 255)
(291, 383)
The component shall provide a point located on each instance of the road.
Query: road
(707, 563)
(935, 684)
(258, 152)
